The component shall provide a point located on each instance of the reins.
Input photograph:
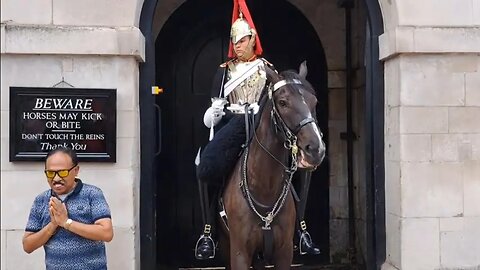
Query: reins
(290, 144)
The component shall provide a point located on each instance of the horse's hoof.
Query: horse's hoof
(205, 248)
(307, 246)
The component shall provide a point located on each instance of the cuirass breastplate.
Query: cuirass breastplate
(250, 88)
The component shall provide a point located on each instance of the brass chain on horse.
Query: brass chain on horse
(289, 144)
(268, 219)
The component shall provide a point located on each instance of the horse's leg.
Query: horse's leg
(224, 247)
(242, 235)
(239, 259)
(241, 252)
(258, 264)
(284, 257)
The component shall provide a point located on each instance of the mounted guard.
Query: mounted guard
(237, 88)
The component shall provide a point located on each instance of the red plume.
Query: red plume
(241, 5)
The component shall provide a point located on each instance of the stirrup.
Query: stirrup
(202, 239)
(307, 239)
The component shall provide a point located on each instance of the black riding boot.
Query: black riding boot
(305, 245)
(205, 247)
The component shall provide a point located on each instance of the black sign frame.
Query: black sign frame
(103, 105)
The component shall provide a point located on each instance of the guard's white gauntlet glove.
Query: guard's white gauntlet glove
(214, 114)
(254, 107)
(240, 109)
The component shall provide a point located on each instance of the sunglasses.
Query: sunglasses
(62, 173)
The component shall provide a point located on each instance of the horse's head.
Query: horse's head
(294, 113)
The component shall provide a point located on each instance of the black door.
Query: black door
(191, 45)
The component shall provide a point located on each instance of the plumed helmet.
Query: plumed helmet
(242, 25)
(240, 29)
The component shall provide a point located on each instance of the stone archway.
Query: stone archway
(374, 134)
(189, 50)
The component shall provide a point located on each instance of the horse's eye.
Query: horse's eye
(282, 103)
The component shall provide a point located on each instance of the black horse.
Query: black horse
(257, 196)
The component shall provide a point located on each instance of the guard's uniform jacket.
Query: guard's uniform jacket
(239, 83)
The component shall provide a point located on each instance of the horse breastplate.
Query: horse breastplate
(251, 79)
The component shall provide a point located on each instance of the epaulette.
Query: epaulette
(266, 62)
(226, 63)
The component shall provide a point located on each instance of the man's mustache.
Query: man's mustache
(58, 182)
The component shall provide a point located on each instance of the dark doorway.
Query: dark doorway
(189, 48)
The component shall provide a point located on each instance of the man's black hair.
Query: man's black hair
(70, 152)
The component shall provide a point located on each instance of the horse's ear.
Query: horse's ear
(272, 76)
(303, 70)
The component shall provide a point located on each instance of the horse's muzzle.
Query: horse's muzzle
(311, 156)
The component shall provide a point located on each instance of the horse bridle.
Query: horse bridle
(290, 144)
(289, 133)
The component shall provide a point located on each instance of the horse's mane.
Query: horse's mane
(291, 74)
(261, 103)
(287, 75)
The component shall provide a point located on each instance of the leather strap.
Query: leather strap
(282, 83)
(267, 243)
(305, 177)
(234, 82)
(303, 123)
(204, 201)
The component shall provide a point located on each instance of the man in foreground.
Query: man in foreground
(71, 220)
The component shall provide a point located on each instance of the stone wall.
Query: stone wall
(431, 53)
(90, 44)
(432, 135)
(64, 33)
(328, 20)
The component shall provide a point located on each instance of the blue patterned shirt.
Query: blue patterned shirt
(67, 250)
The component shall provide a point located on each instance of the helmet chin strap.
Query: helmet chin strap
(253, 38)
